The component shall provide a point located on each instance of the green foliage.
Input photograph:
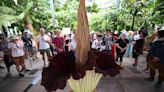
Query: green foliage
(9, 15)
(145, 13)
(5, 10)
(109, 19)
(97, 23)
(92, 8)
(40, 14)
(66, 14)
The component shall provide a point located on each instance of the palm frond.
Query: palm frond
(4, 19)
(5, 10)
(159, 7)
(6, 15)
(29, 5)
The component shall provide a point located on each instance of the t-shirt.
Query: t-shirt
(16, 48)
(137, 37)
(108, 42)
(97, 45)
(122, 43)
(72, 36)
(73, 45)
(42, 42)
(59, 42)
(115, 37)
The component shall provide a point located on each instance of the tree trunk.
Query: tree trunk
(83, 42)
(135, 13)
(132, 28)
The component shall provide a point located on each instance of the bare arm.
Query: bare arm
(127, 45)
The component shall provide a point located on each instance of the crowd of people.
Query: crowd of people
(17, 48)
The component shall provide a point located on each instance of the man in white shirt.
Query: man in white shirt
(44, 44)
(72, 45)
(97, 44)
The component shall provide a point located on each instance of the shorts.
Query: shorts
(47, 51)
(18, 60)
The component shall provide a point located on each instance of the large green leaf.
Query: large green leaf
(5, 19)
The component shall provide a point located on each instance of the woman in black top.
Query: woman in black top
(121, 46)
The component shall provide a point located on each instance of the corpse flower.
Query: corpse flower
(83, 68)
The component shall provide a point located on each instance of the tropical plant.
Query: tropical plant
(93, 8)
(132, 14)
(8, 14)
(66, 14)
